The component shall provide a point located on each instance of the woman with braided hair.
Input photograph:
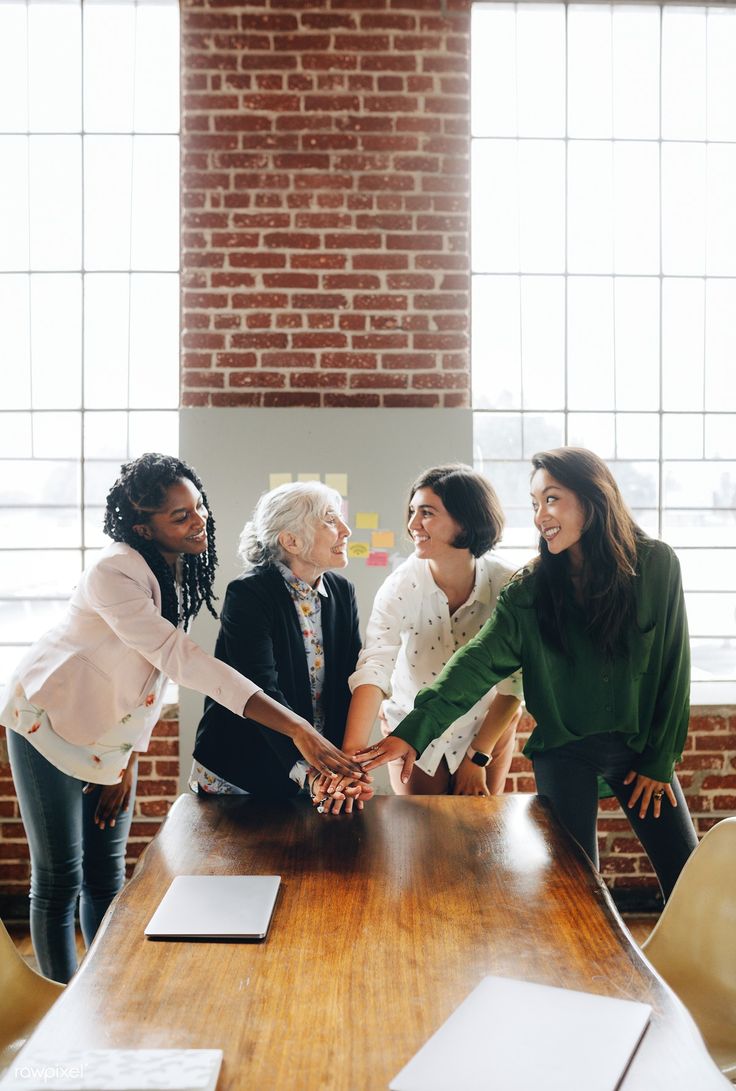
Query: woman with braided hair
(83, 701)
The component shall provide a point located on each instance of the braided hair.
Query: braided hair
(141, 489)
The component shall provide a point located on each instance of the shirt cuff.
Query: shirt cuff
(299, 772)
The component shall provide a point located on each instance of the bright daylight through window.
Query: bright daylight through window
(89, 281)
(604, 274)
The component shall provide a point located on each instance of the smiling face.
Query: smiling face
(180, 525)
(329, 548)
(558, 516)
(433, 530)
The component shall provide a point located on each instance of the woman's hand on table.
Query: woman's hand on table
(469, 779)
(648, 791)
(392, 748)
(114, 798)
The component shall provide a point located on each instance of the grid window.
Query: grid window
(604, 274)
(89, 281)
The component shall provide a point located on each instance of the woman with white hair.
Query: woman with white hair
(290, 623)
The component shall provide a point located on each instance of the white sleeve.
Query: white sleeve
(377, 659)
(126, 604)
(513, 686)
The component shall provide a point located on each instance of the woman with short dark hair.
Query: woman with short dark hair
(597, 622)
(433, 603)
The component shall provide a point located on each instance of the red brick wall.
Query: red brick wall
(158, 773)
(325, 247)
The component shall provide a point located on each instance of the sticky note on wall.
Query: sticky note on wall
(366, 520)
(338, 482)
(376, 559)
(358, 549)
(307, 477)
(382, 539)
(274, 480)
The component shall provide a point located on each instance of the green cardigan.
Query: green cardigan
(644, 694)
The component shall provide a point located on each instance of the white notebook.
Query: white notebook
(215, 907)
(115, 1070)
(515, 1035)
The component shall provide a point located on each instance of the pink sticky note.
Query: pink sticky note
(377, 559)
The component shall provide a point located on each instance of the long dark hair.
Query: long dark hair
(141, 489)
(471, 501)
(609, 542)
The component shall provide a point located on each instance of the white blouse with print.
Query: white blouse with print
(409, 639)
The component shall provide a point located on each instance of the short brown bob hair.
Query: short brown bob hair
(471, 501)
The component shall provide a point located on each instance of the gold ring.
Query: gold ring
(659, 793)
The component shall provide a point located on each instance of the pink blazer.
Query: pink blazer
(101, 661)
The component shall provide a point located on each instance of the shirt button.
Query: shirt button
(605, 677)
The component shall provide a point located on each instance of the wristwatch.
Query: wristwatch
(478, 757)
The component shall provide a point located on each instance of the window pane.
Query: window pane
(13, 68)
(639, 484)
(683, 74)
(720, 436)
(14, 244)
(98, 477)
(15, 324)
(590, 206)
(714, 659)
(637, 435)
(106, 336)
(57, 435)
(635, 72)
(543, 342)
(495, 206)
(700, 484)
(106, 435)
(154, 341)
(498, 435)
(493, 70)
(637, 342)
(589, 77)
(710, 529)
(155, 209)
(542, 206)
(594, 430)
(636, 204)
(682, 435)
(721, 210)
(511, 482)
(496, 343)
(683, 209)
(55, 92)
(157, 68)
(683, 339)
(33, 574)
(708, 569)
(56, 340)
(720, 344)
(15, 435)
(590, 343)
(154, 432)
(25, 619)
(109, 50)
(107, 194)
(542, 432)
(541, 69)
(55, 200)
(721, 74)
(40, 482)
(93, 520)
(710, 614)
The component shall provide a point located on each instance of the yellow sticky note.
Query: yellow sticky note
(307, 477)
(382, 539)
(338, 482)
(366, 520)
(358, 549)
(274, 480)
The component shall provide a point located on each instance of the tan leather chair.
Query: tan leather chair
(693, 946)
(25, 997)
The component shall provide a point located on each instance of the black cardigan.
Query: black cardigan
(260, 637)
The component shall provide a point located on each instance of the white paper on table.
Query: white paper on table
(115, 1070)
(512, 1035)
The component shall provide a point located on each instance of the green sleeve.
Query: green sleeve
(672, 708)
(492, 655)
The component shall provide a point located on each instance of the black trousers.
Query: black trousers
(568, 778)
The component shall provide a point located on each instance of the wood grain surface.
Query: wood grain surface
(385, 921)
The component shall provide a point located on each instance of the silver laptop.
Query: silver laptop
(215, 907)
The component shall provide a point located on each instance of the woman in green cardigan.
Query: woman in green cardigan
(597, 624)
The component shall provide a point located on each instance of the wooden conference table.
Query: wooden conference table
(385, 921)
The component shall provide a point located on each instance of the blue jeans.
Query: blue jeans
(70, 856)
(568, 778)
